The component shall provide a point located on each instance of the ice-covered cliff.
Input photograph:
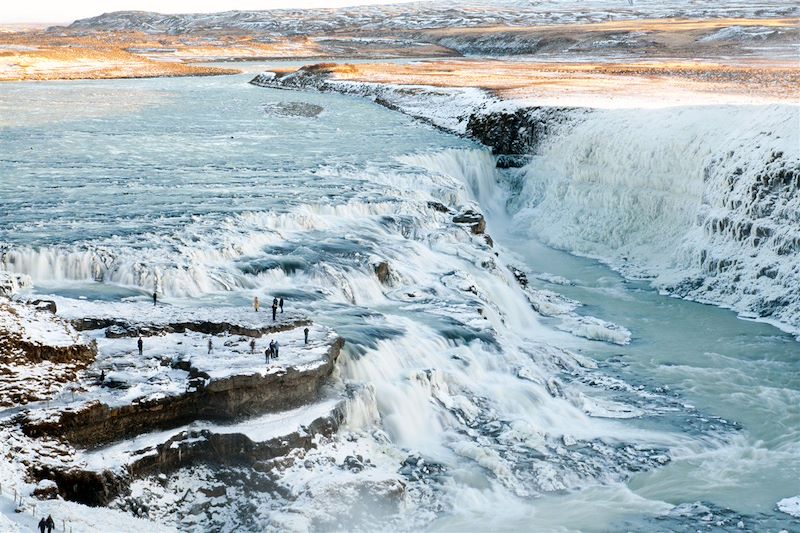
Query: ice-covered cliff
(705, 201)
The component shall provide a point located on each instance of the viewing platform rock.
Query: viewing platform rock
(112, 414)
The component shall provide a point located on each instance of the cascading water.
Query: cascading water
(473, 409)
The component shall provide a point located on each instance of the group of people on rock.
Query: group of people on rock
(270, 353)
(277, 303)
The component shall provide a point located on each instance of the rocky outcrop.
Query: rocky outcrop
(473, 219)
(44, 305)
(224, 399)
(11, 284)
(39, 353)
(383, 272)
(188, 447)
(515, 135)
(293, 109)
(118, 328)
(438, 206)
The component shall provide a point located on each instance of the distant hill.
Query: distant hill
(430, 15)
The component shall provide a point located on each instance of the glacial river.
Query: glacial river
(211, 191)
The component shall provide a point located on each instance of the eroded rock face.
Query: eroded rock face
(515, 135)
(39, 353)
(97, 488)
(118, 328)
(224, 399)
(475, 220)
(383, 272)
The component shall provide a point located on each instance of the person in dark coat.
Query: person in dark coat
(42, 525)
(276, 349)
(210, 345)
(252, 346)
(305, 332)
(280, 304)
(274, 309)
(140, 344)
(50, 524)
(272, 349)
(267, 352)
(155, 298)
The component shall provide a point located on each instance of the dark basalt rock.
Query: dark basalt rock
(438, 206)
(383, 272)
(520, 276)
(517, 134)
(44, 305)
(117, 328)
(475, 220)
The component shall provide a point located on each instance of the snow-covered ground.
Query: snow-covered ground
(435, 14)
(129, 378)
(35, 326)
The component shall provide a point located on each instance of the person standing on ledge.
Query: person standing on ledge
(252, 346)
(275, 349)
(256, 303)
(305, 332)
(42, 525)
(155, 298)
(140, 344)
(280, 304)
(210, 345)
(274, 308)
(50, 524)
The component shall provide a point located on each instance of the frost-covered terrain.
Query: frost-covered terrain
(430, 15)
